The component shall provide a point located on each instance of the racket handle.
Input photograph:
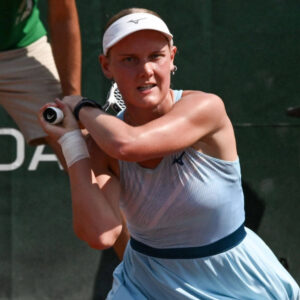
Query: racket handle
(53, 115)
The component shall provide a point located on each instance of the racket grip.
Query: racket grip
(53, 115)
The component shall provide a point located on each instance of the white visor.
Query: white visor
(130, 24)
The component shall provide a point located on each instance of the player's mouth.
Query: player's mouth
(146, 87)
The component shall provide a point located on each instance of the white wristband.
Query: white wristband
(73, 147)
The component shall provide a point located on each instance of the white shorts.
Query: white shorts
(28, 80)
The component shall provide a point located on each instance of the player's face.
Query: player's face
(141, 65)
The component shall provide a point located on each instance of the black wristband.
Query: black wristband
(85, 102)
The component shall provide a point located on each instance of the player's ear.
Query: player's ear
(105, 65)
(173, 50)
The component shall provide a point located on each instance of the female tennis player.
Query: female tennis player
(170, 163)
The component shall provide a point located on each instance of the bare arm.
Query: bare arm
(95, 189)
(106, 171)
(95, 201)
(197, 116)
(66, 43)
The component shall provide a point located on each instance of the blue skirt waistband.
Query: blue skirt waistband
(217, 247)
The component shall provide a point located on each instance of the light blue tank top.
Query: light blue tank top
(189, 200)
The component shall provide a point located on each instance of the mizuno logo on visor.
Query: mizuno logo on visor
(136, 21)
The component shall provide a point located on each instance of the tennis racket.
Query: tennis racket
(114, 103)
(114, 100)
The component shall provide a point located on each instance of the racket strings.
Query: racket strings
(119, 98)
(114, 100)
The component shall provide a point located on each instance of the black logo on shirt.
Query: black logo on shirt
(178, 160)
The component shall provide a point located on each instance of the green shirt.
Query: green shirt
(20, 23)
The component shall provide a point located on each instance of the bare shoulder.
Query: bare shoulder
(210, 117)
(202, 97)
(205, 104)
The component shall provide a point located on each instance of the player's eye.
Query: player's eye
(129, 59)
(156, 56)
